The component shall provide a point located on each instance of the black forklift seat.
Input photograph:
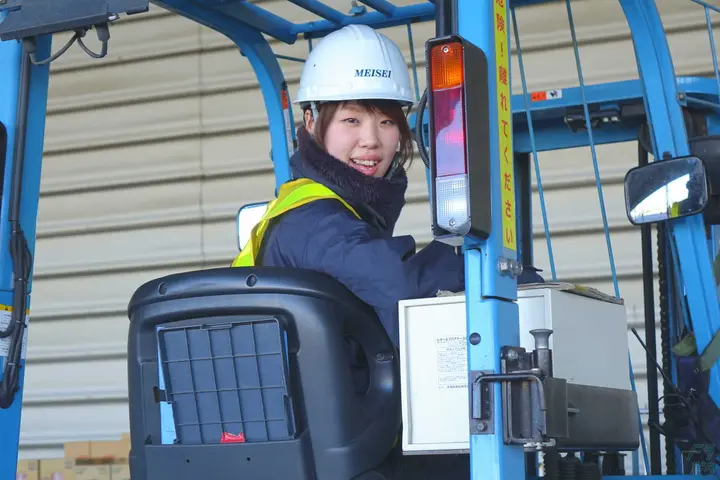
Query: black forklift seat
(254, 364)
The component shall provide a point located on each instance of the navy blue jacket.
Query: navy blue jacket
(362, 254)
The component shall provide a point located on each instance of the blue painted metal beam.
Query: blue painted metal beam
(386, 15)
(382, 6)
(698, 86)
(10, 58)
(548, 117)
(706, 5)
(624, 92)
(614, 92)
(491, 310)
(249, 15)
(670, 138)
(551, 132)
(259, 18)
(321, 10)
(408, 14)
(557, 136)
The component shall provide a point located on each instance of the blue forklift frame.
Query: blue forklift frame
(492, 311)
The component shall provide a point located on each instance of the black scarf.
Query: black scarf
(378, 200)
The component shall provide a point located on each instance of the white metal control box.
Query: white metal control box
(589, 346)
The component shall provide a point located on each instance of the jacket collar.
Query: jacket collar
(378, 200)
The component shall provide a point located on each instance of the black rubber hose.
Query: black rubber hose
(19, 250)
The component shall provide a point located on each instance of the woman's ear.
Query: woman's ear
(309, 121)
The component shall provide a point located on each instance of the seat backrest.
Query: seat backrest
(258, 356)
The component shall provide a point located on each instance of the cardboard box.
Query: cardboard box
(57, 469)
(92, 472)
(77, 450)
(120, 472)
(111, 451)
(27, 470)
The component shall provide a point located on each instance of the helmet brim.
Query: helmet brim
(349, 98)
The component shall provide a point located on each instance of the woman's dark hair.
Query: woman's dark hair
(393, 110)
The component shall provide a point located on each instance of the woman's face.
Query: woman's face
(365, 140)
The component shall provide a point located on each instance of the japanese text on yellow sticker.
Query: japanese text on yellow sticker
(507, 171)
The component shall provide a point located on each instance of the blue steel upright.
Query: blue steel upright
(491, 307)
(669, 139)
(10, 95)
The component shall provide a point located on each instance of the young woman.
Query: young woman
(338, 214)
(356, 146)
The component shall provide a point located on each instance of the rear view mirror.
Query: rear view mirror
(247, 217)
(665, 190)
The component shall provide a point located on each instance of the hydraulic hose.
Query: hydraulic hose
(19, 250)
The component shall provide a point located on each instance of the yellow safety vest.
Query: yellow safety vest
(291, 195)
(675, 210)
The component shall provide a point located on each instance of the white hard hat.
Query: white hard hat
(355, 63)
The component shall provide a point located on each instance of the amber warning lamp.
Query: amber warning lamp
(458, 101)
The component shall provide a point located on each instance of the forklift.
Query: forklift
(242, 372)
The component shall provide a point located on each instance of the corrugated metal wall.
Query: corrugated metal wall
(150, 151)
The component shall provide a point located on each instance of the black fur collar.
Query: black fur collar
(379, 200)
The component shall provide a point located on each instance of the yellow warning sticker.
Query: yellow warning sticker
(507, 170)
(5, 319)
(9, 308)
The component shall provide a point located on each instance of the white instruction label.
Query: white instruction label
(5, 317)
(451, 361)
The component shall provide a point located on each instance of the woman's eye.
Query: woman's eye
(388, 122)
(351, 120)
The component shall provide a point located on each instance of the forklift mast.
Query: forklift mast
(497, 129)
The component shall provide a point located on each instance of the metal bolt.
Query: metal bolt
(508, 266)
(503, 265)
(481, 426)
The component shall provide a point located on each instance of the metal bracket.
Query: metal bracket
(523, 408)
(599, 115)
(510, 266)
(30, 18)
(509, 436)
(482, 418)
